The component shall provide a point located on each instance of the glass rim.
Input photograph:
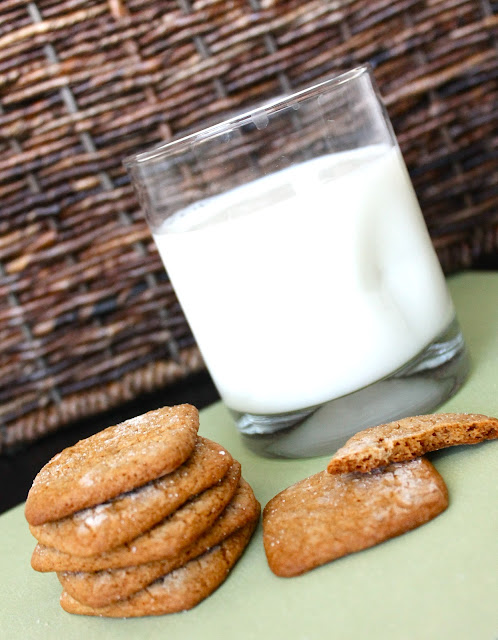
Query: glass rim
(245, 117)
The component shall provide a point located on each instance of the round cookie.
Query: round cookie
(115, 460)
(410, 438)
(328, 516)
(101, 588)
(107, 525)
(170, 536)
(179, 590)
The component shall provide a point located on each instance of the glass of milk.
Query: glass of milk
(297, 249)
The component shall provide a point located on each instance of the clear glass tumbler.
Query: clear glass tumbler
(298, 251)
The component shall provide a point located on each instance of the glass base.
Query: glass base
(418, 387)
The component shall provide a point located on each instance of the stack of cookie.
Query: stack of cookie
(143, 518)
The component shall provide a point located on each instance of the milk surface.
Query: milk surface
(310, 283)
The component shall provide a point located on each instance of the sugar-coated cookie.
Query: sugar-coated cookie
(410, 438)
(115, 460)
(168, 537)
(328, 516)
(101, 588)
(112, 523)
(179, 590)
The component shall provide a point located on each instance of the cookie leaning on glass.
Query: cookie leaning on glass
(148, 513)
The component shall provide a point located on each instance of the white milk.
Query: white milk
(310, 283)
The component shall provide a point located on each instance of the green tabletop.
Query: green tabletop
(437, 582)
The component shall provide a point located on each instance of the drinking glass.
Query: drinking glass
(296, 246)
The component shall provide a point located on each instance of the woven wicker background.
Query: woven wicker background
(88, 318)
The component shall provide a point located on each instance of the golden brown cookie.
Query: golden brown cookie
(105, 526)
(179, 590)
(115, 460)
(167, 538)
(101, 588)
(410, 438)
(328, 516)
(48, 559)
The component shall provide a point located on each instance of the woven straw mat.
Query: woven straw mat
(88, 318)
